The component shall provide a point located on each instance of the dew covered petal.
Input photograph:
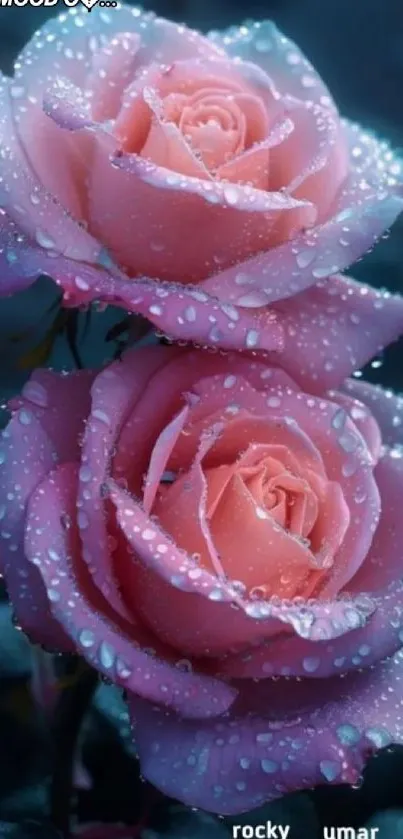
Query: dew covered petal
(114, 394)
(237, 220)
(46, 55)
(385, 405)
(277, 738)
(281, 59)
(363, 644)
(113, 647)
(334, 328)
(367, 205)
(44, 396)
(36, 211)
(382, 566)
(36, 452)
(182, 313)
(39, 435)
(224, 619)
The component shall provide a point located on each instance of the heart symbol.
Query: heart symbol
(89, 3)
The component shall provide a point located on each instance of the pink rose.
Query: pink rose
(195, 525)
(200, 181)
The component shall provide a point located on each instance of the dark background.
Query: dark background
(357, 46)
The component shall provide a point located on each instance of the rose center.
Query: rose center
(212, 122)
(263, 523)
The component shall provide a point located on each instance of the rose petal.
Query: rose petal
(271, 557)
(194, 198)
(347, 460)
(334, 328)
(363, 420)
(306, 425)
(236, 219)
(182, 369)
(184, 79)
(68, 106)
(35, 210)
(184, 314)
(313, 162)
(263, 44)
(160, 456)
(383, 563)
(88, 618)
(360, 646)
(166, 576)
(363, 646)
(290, 735)
(253, 165)
(187, 317)
(191, 529)
(44, 57)
(367, 206)
(113, 67)
(166, 146)
(44, 397)
(22, 260)
(240, 431)
(332, 522)
(113, 396)
(386, 407)
(39, 435)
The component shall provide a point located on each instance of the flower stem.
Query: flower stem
(70, 710)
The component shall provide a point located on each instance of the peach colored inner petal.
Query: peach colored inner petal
(217, 117)
(133, 124)
(275, 523)
(174, 85)
(259, 551)
(166, 146)
(215, 129)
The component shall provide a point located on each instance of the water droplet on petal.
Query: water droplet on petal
(348, 734)
(106, 655)
(25, 417)
(190, 314)
(44, 240)
(269, 766)
(305, 258)
(85, 473)
(380, 737)
(339, 419)
(310, 664)
(252, 338)
(122, 669)
(86, 638)
(265, 737)
(231, 195)
(330, 769)
(81, 284)
(252, 300)
(324, 271)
